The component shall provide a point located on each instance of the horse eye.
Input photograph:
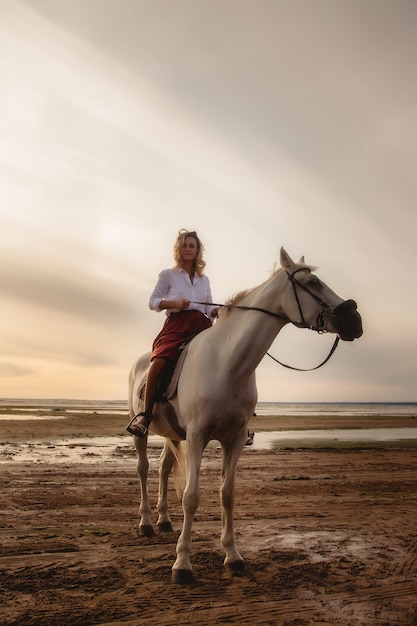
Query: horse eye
(314, 281)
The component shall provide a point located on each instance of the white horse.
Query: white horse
(216, 393)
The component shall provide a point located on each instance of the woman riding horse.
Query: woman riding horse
(178, 291)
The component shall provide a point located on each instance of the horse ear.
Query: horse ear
(301, 261)
(286, 261)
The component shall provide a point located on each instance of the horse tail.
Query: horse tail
(179, 467)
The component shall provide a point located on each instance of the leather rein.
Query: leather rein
(319, 327)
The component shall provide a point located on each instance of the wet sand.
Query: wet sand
(329, 536)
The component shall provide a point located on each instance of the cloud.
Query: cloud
(279, 124)
(12, 370)
(72, 295)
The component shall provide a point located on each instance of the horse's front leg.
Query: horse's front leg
(182, 569)
(165, 466)
(231, 453)
(145, 523)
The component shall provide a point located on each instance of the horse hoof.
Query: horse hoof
(182, 576)
(237, 568)
(165, 527)
(146, 530)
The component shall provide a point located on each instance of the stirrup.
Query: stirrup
(136, 428)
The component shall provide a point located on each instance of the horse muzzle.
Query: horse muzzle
(346, 320)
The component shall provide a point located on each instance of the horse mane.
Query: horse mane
(238, 297)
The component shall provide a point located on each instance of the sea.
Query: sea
(331, 409)
(345, 409)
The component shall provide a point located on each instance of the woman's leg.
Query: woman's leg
(152, 379)
(141, 425)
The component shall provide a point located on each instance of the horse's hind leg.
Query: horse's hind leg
(231, 453)
(145, 524)
(165, 466)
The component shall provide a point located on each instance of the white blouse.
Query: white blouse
(174, 284)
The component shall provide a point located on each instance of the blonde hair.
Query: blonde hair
(199, 262)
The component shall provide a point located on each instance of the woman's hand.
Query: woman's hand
(182, 304)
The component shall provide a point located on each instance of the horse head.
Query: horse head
(310, 303)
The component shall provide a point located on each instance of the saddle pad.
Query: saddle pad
(172, 387)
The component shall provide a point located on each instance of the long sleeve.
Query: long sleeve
(174, 284)
(160, 290)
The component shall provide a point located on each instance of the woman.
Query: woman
(184, 292)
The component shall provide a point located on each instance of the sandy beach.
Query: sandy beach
(329, 535)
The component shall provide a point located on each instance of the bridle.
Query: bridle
(320, 322)
(319, 327)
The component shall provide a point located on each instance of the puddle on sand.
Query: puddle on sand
(113, 449)
(77, 450)
(30, 418)
(292, 438)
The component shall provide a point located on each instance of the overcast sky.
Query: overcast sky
(259, 123)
